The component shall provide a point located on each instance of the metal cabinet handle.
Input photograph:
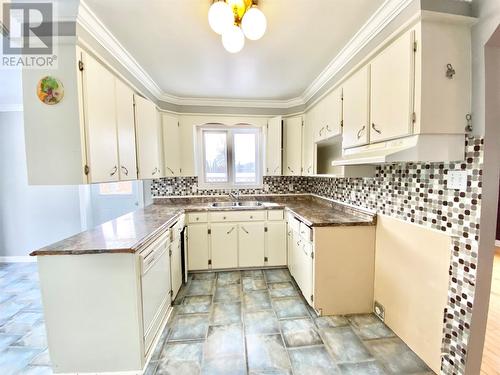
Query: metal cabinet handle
(171, 171)
(374, 127)
(276, 169)
(298, 242)
(125, 170)
(309, 169)
(321, 131)
(328, 129)
(361, 131)
(244, 230)
(156, 170)
(230, 230)
(290, 169)
(113, 172)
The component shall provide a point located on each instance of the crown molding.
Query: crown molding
(216, 102)
(389, 10)
(89, 21)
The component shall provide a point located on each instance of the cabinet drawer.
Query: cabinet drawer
(197, 217)
(148, 253)
(275, 215)
(305, 232)
(238, 216)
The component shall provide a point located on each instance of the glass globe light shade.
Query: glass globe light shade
(254, 24)
(220, 17)
(233, 39)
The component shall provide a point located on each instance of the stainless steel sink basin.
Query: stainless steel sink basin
(224, 204)
(236, 204)
(249, 204)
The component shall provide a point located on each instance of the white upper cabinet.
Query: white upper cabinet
(392, 79)
(308, 145)
(126, 131)
(171, 145)
(100, 121)
(88, 137)
(417, 83)
(330, 112)
(356, 115)
(274, 146)
(292, 131)
(147, 138)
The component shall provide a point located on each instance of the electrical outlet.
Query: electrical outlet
(353, 195)
(379, 310)
(194, 189)
(457, 180)
(266, 188)
(290, 187)
(170, 190)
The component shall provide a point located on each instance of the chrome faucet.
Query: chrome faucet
(235, 196)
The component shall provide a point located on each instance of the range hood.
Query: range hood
(415, 148)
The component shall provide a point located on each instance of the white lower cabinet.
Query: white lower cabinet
(224, 245)
(333, 266)
(276, 243)
(197, 247)
(232, 239)
(251, 244)
(175, 266)
(304, 268)
(156, 286)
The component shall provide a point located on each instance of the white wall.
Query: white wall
(30, 216)
(488, 12)
(34, 216)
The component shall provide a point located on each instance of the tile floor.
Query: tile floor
(256, 322)
(23, 344)
(248, 322)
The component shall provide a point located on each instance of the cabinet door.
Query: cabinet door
(176, 266)
(274, 146)
(289, 249)
(332, 113)
(147, 135)
(100, 122)
(126, 131)
(197, 247)
(251, 244)
(293, 146)
(308, 146)
(276, 243)
(392, 77)
(171, 145)
(356, 109)
(224, 245)
(305, 274)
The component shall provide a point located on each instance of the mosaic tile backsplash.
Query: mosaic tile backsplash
(415, 192)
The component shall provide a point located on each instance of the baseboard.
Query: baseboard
(18, 259)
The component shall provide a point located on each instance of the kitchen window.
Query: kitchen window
(229, 157)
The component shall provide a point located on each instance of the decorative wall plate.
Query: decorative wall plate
(50, 90)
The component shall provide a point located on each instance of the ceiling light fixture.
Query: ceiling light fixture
(235, 20)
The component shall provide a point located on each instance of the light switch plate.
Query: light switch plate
(457, 180)
(290, 187)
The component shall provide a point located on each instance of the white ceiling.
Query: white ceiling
(173, 43)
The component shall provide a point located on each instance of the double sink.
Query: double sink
(236, 204)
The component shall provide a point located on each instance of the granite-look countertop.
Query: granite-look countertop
(130, 232)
